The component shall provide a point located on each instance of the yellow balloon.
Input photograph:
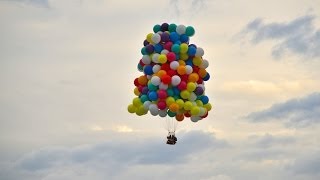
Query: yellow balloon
(195, 110)
(197, 61)
(162, 58)
(149, 36)
(184, 48)
(191, 86)
(131, 108)
(169, 101)
(199, 103)
(136, 102)
(180, 102)
(136, 91)
(187, 105)
(208, 106)
(185, 94)
(184, 56)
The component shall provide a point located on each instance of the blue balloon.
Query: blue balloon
(204, 99)
(176, 91)
(174, 36)
(207, 77)
(148, 70)
(158, 48)
(153, 96)
(189, 62)
(184, 38)
(192, 51)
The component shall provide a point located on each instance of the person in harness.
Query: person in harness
(171, 138)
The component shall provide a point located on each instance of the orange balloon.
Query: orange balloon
(193, 77)
(202, 73)
(181, 70)
(143, 80)
(161, 73)
(174, 107)
(179, 117)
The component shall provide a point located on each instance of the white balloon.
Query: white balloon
(203, 111)
(146, 59)
(163, 113)
(146, 105)
(153, 108)
(164, 51)
(195, 118)
(155, 80)
(189, 69)
(156, 68)
(156, 38)
(204, 64)
(174, 65)
(155, 57)
(175, 80)
(199, 52)
(192, 97)
(181, 29)
(163, 86)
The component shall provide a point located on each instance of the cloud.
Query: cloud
(295, 112)
(186, 9)
(269, 140)
(307, 164)
(39, 3)
(299, 36)
(114, 157)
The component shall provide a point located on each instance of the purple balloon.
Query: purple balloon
(145, 90)
(164, 27)
(145, 42)
(149, 48)
(165, 37)
(198, 91)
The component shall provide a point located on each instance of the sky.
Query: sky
(66, 79)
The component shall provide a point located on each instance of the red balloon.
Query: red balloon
(196, 69)
(136, 82)
(171, 56)
(184, 77)
(204, 116)
(165, 67)
(162, 94)
(162, 104)
(182, 85)
(168, 45)
(187, 114)
(171, 72)
(200, 81)
(140, 88)
(141, 63)
(166, 79)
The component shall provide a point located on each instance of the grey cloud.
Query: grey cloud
(299, 36)
(295, 112)
(307, 164)
(40, 3)
(187, 8)
(268, 141)
(113, 157)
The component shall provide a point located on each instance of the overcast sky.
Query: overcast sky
(66, 78)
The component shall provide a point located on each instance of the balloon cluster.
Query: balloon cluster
(173, 77)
